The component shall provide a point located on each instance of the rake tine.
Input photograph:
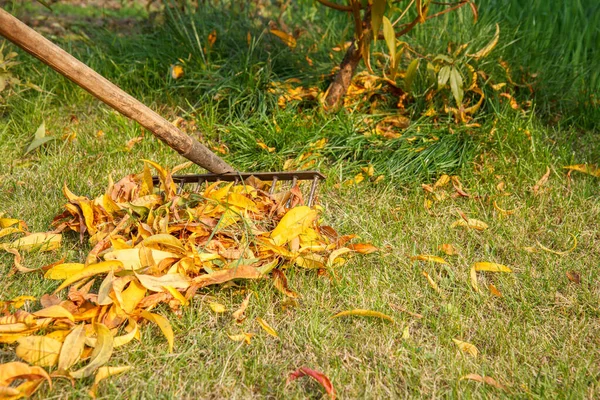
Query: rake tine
(294, 181)
(272, 190)
(313, 189)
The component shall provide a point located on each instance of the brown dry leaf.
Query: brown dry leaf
(491, 267)
(466, 348)
(483, 379)
(589, 169)
(212, 38)
(267, 328)
(574, 277)
(39, 350)
(471, 223)
(280, 282)
(13, 371)
(448, 249)
(429, 258)
(239, 314)
(316, 375)
(541, 182)
(362, 248)
(392, 127)
(364, 313)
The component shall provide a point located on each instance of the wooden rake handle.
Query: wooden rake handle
(68, 66)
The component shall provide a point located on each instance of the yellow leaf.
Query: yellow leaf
(286, 38)
(163, 324)
(217, 307)
(45, 241)
(55, 311)
(494, 290)
(239, 313)
(488, 47)
(176, 295)
(63, 271)
(336, 254)
(19, 301)
(425, 257)
(131, 296)
(589, 169)
(132, 258)
(267, 327)
(473, 277)
(176, 71)
(293, 223)
(39, 350)
(503, 211)
(560, 253)
(369, 170)
(9, 231)
(103, 373)
(263, 146)
(364, 313)
(491, 267)
(246, 337)
(431, 282)
(470, 223)
(157, 283)
(91, 270)
(448, 249)
(72, 348)
(406, 333)
(101, 353)
(441, 182)
(163, 241)
(466, 348)
(15, 370)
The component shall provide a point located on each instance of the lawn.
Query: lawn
(537, 336)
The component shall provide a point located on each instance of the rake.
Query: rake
(113, 96)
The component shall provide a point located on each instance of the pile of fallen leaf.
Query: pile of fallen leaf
(152, 244)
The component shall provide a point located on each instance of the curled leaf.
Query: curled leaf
(560, 253)
(103, 373)
(101, 353)
(267, 328)
(466, 348)
(488, 47)
(316, 375)
(163, 324)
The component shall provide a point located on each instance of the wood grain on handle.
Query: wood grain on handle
(67, 65)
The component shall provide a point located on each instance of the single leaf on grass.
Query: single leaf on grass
(503, 211)
(448, 249)
(494, 290)
(364, 313)
(163, 324)
(91, 270)
(574, 277)
(466, 348)
(176, 71)
(362, 248)
(429, 258)
(286, 38)
(483, 379)
(72, 348)
(488, 47)
(39, 350)
(589, 169)
(39, 138)
(103, 373)
(244, 336)
(55, 311)
(470, 223)
(293, 223)
(12, 371)
(432, 282)
(560, 253)
(267, 328)
(217, 307)
(239, 313)
(491, 267)
(536, 188)
(101, 353)
(281, 283)
(316, 375)
(473, 278)
(44, 241)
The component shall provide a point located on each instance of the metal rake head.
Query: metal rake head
(274, 177)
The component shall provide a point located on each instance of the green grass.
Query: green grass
(538, 340)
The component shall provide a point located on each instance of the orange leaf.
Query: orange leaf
(316, 375)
